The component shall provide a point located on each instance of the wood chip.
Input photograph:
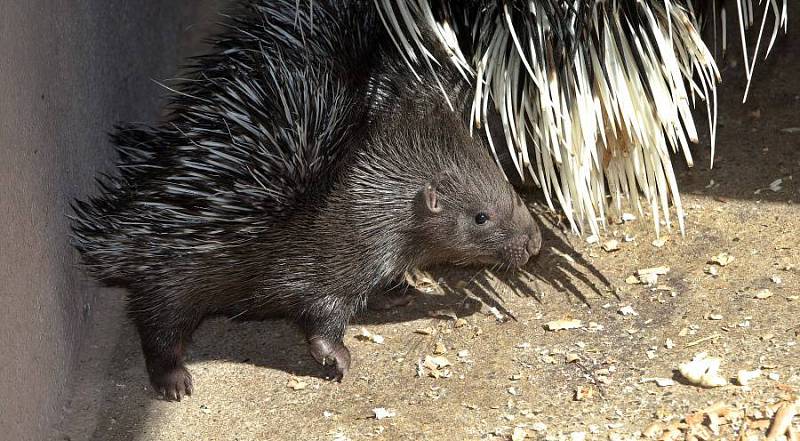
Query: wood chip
(658, 243)
(425, 331)
(584, 393)
(744, 377)
(611, 245)
(703, 340)
(577, 436)
(782, 421)
(558, 325)
(296, 384)
(518, 434)
(380, 413)
(653, 431)
(658, 270)
(660, 382)
(435, 362)
(365, 335)
(763, 294)
(712, 270)
(703, 371)
(722, 259)
(649, 279)
(632, 280)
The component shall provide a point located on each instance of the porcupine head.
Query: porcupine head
(462, 208)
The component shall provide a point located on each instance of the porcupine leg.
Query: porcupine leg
(396, 293)
(164, 342)
(324, 326)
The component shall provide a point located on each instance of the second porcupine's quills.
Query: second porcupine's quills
(593, 95)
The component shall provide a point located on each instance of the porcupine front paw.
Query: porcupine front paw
(172, 383)
(334, 356)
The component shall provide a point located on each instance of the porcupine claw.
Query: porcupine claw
(334, 356)
(173, 384)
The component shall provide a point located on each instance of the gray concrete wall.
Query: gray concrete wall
(68, 71)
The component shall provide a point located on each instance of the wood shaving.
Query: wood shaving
(584, 393)
(762, 294)
(660, 382)
(435, 367)
(658, 243)
(365, 335)
(632, 280)
(703, 371)
(611, 245)
(658, 270)
(296, 384)
(518, 434)
(435, 362)
(782, 421)
(558, 325)
(744, 377)
(722, 259)
(380, 413)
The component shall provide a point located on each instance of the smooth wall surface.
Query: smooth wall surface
(68, 71)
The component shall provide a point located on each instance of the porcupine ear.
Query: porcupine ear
(430, 192)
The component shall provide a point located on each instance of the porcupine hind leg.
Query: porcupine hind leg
(164, 339)
(396, 293)
(324, 324)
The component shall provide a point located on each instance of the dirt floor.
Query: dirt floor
(510, 378)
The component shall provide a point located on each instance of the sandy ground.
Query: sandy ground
(512, 373)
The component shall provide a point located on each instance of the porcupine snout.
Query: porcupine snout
(526, 241)
(520, 249)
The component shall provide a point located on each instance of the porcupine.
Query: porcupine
(301, 170)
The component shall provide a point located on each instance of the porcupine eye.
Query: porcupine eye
(481, 218)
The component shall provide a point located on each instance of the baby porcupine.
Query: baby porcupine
(303, 169)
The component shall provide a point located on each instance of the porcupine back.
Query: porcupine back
(254, 133)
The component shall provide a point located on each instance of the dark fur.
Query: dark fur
(302, 170)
